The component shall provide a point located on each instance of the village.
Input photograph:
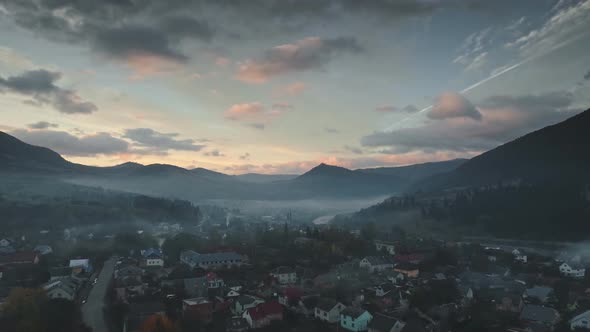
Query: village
(281, 277)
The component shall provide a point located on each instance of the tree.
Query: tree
(24, 309)
(158, 323)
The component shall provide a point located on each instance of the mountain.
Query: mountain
(212, 175)
(418, 171)
(555, 153)
(17, 155)
(264, 178)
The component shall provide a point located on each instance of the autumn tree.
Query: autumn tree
(158, 323)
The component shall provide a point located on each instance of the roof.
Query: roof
(353, 312)
(246, 299)
(18, 257)
(537, 313)
(539, 292)
(382, 323)
(292, 292)
(196, 258)
(152, 253)
(326, 304)
(79, 262)
(265, 309)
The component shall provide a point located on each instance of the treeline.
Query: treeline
(540, 211)
(104, 208)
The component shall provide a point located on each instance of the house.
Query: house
(290, 296)
(64, 288)
(385, 246)
(407, 269)
(21, 257)
(59, 272)
(43, 249)
(237, 324)
(581, 321)
(536, 314)
(80, 265)
(152, 257)
(383, 323)
(263, 314)
(396, 278)
(210, 261)
(508, 301)
(572, 270)
(5, 242)
(198, 309)
(285, 275)
(328, 310)
(245, 302)
(213, 280)
(130, 271)
(355, 319)
(375, 264)
(538, 293)
(232, 294)
(129, 286)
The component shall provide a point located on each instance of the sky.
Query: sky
(279, 86)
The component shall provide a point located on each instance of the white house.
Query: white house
(389, 247)
(355, 319)
(375, 264)
(64, 288)
(152, 258)
(573, 270)
(245, 302)
(581, 321)
(328, 310)
(4, 242)
(285, 275)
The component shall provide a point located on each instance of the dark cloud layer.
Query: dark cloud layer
(153, 140)
(587, 76)
(70, 145)
(42, 125)
(304, 54)
(40, 85)
(503, 118)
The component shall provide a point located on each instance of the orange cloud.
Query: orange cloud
(245, 111)
(222, 61)
(294, 89)
(148, 65)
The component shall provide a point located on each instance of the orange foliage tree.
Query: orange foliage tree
(158, 323)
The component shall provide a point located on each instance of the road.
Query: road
(92, 311)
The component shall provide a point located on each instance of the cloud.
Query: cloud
(569, 21)
(331, 130)
(504, 118)
(245, 156)
(40, 85)
(391, 109)
(587, 75)
(214, 153)
(151, 140)
(453, 105)
(302, 55)
(255, 114)
(294, 89)
(244, 111)
(127, 41)
(184, 26)
(70, 145)
(42, 125)
(259, 126)
(353, 149)
(386, 109)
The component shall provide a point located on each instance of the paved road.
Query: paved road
(92, 311)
